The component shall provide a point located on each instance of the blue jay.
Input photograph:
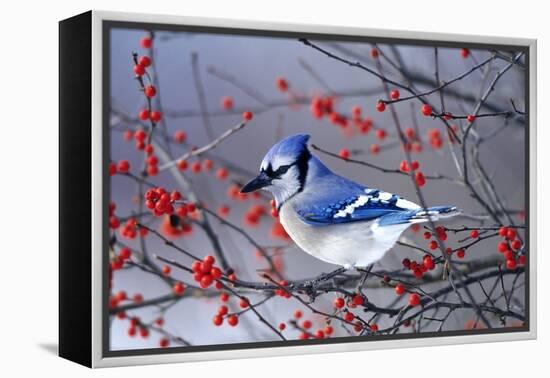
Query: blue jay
(330, 217)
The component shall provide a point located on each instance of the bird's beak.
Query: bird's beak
(261, 181)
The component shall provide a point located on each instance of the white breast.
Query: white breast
(348, 244)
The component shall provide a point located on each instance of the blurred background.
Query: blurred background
(246, 69)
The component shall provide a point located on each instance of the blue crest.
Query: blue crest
(290, 147)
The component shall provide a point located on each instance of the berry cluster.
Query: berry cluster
(223, 313)
(434, 138)
(204, 272)
(510, 247)
(140, 70)
(254, 214)
(419, 269)
(129, 229)
(405, 167)
(281, 291)
(160, 202)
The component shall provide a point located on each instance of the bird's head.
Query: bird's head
(284, 169)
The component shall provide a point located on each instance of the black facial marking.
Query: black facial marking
(302, 164)
(277, 173)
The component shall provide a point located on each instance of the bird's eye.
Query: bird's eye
(282, 170)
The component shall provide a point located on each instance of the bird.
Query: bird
(330, 217)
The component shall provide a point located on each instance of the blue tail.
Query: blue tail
(418, 215)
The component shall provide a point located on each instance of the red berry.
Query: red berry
(196, 166)
(123, 166)
(471, 118)
(282, 84)
(374, 327)
(516, 244)
(182, 165)
(380, 106)
(150, 91)
(166, 270)
(216, 273)
(399, 289)
(152, 170)
(404, 166)
(125, 253)
(218, 320)
(222, 173)
(474, 234)
(121, 296)
(208, 164)
(344, 153)
(128, 135)
(152, 160)
(502, 247)
(226, 103)
(146, 42)
(144, 332)
(206, 281)
(510, 235)
(433, 245)
(180, 136)
(509, 255)
(511, 264)
(356, 112)
(298, 314)
(156, 116)
(139, 70)
(282, 326)
(339, 302)
(178, 288)
(209, 260)
(426, 110)
(503, 231)
(358, 300)
(164, 342)
(349, 316)
(144, 114)
(460, 253)
(145, 61)
(374, 149)
(247, 116)
(307, 324)
(374, 53)
(414, 300)
(328, 330)
(112, 169)
(232, 320)
(381, 134)
(420, 179)
(394, 94)
(464, 52)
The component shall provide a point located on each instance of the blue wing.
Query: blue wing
(338, 200)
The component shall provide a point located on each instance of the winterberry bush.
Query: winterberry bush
(192, 261)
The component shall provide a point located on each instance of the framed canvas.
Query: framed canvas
(233, 189)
